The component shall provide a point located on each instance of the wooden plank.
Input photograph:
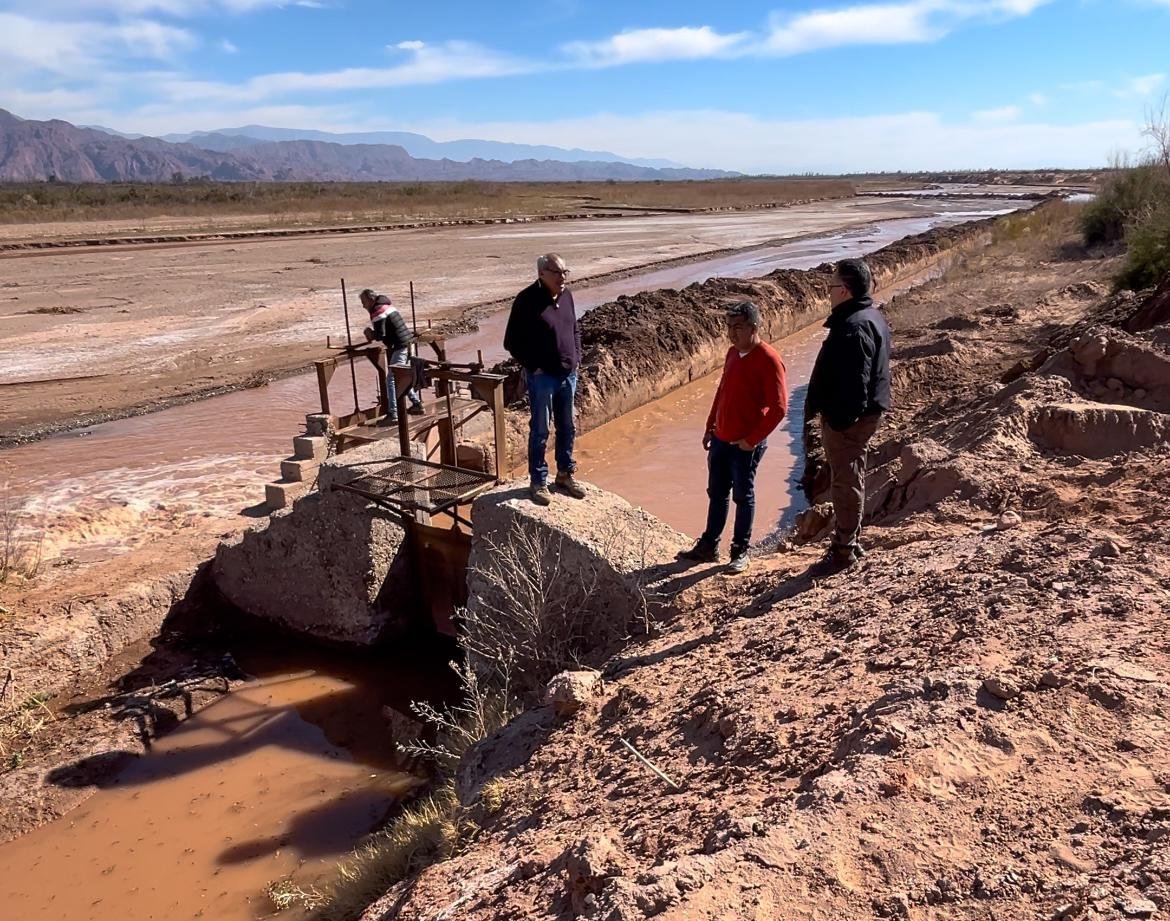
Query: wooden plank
(499, 420)
(325, 371)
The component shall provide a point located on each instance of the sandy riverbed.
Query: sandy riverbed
(149, 324)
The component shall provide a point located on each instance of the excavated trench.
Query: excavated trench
(282, 776)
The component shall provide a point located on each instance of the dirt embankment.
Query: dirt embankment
(640, 347)
(970, 724)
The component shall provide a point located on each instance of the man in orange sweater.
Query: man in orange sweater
(751, 400)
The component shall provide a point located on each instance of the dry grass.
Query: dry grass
(22, 539)
(374, 202)
(22, 717)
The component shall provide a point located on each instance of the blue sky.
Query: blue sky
(803, 85)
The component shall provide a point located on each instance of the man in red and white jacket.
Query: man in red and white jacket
(751, 401)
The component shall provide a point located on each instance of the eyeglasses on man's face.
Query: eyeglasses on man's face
(552, 270)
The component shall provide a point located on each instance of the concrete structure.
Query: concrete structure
(332, 566)
(551, 587)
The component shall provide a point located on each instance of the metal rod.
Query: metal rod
(413, 321)
(349, 342)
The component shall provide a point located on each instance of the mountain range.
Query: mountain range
(42, 150)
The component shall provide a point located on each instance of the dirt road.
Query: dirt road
(94, 333)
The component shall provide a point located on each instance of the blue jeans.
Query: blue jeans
(731, 470)
(398, 357)
(551, 398)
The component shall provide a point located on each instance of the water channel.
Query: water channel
(281, 778)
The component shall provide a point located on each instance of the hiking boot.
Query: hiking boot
(740, 560)
(702, 552)
(566, 484)
(540, 494)
(387, 421)
(839, 558)
(415, 409)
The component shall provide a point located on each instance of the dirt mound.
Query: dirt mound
(640, 347)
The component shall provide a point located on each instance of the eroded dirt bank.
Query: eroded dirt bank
(641, 347)
(972, 723)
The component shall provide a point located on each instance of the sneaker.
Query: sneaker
(702, 552)
(387, 421)
(739, 560)
(415, 409)
(540, 494)
(565, 483)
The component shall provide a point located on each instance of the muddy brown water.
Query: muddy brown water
(280, 778)
(274, 781)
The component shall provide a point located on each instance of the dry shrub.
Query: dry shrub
(22, 716)
(535, 616)
(22, 539)
(284, 203)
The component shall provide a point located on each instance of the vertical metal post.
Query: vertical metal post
(349, 342)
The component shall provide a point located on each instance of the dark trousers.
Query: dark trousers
(551, 398)
(845, 452)
(731, 471)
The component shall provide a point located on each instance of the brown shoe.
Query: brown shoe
(566, 484)
(540, 495)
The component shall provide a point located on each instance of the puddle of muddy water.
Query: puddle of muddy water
(277, 780)
(94, 490)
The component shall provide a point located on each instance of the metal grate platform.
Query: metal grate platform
(408, 485)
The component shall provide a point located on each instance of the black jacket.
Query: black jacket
(391, 330)
(543, 334)
(851, 377)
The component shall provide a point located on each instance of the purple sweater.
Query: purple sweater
(542, 333)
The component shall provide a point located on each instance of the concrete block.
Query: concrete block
(331, 566)
(283, 493)
(310, 447)
(298, 469)
(318, 424)
(588, 572)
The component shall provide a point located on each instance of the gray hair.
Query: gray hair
(543, 262)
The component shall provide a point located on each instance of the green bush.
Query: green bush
(1126, 200)
(1147, 250)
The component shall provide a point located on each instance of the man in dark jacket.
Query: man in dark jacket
(543, 336)
(850, 389)
(388, 327)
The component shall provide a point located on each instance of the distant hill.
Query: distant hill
(42, 150)
(417, 145)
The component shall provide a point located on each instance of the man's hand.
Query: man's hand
(369, 334)
(744, 445)
(706, 441)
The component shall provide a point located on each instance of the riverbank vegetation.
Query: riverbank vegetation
(346, 202)
(1133, 207)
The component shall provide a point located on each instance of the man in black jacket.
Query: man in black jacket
(850, 389)
(543, 336)
(388, 327)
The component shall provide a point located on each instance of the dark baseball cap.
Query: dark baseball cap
(747, 310)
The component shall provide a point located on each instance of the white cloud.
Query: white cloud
(637, 45)
(1002, 114)
(1141, 86)
(228, 47)
(132, 8)
(751, 144)
(914, 21)
(78, 47)
(408, 46)
(1038, 99)
(426, 64)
